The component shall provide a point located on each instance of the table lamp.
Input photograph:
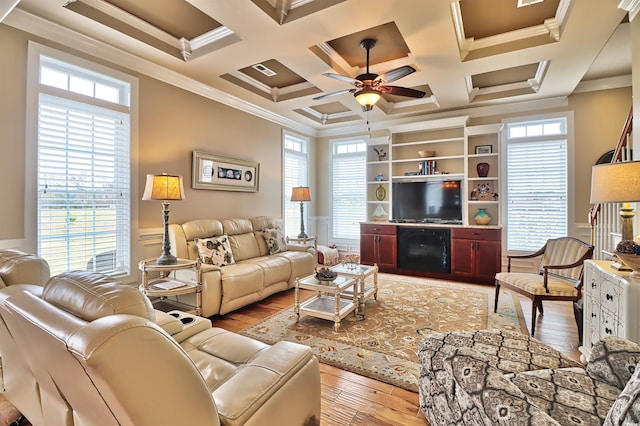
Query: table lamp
(618, 183)
(164, 187)
(301, 193)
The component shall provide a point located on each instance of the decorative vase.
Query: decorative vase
(482, 217)
(482, 169)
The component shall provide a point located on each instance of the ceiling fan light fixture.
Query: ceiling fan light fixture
(367, 98)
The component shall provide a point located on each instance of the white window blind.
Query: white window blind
(83, 170)
(536, 183)
(349, 189)
(295, 173)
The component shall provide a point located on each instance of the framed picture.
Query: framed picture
(484, 149)
(223, 174)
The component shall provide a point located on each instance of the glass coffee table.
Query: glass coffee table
(361, 273)
(327, 303)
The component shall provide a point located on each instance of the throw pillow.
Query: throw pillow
(275, 240)
(215, 250)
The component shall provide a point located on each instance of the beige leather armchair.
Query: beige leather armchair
(19, 385)
(103, 359)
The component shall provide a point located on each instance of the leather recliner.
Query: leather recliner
(19, 385)
(99, 357)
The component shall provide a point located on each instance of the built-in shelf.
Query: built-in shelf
(455, 144)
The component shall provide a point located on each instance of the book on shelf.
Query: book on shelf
(168, 284)
(427, 167)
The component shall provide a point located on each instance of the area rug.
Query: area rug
(382, 342)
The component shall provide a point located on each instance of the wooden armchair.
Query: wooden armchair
(559, 275)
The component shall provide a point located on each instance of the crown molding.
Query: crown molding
(6, 6)
(76, 41)
(631, 6)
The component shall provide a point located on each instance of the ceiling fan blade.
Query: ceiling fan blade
(402, 91)
(341, 77)
(339, 92)
(396, 74)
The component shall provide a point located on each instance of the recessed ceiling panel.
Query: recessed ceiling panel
(272, 80)
(390, 45)
(273, 74)
(283, 11)
(519, 74)
(174, 27)
(493, 27)
(178, 18)
(488, 18)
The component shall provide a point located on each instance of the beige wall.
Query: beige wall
(172, 123)
(13, 86)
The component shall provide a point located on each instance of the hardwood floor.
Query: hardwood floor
(350, 399)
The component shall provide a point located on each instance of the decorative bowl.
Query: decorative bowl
(632, 261)
(424, 153)
(326, 275)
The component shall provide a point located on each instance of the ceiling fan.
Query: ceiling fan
(369, 86)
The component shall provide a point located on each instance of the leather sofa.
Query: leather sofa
(255, 272)
(95, 352)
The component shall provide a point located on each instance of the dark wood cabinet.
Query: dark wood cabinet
(476, 254)
(378, 245)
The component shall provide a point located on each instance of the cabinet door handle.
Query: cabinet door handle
(608, 330)
(609, 297)
(594, 285)
(377, 229)
(475, 233)
(593, 315)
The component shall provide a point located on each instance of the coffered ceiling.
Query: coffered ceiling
(270, 55)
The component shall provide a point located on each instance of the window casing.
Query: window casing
(537, 183)
(295, 173)
(83, 164)
(349, 188)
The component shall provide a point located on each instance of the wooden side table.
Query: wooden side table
(165, 286)
(327, 303)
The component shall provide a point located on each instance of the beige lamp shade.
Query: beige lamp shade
(301, 193)
(163, 187)
(616, 182)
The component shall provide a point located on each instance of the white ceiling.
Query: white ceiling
(588, 41)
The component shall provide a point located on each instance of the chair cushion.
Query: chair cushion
(534, 283)
(626, 409)
(564, 251)
(569, 395)
(614, 359)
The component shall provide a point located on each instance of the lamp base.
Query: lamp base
(303, 235)
(167, 259)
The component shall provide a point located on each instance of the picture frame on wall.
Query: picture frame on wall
(219, 173)
(484, 149)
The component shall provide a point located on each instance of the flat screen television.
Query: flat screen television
(427, 201)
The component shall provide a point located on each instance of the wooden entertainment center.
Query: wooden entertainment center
(472, 254)
(447, 151)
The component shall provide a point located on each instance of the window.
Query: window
(349, 188)
(295, 173)
(83, 166)
(537, 185)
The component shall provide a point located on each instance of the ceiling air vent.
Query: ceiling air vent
(264, 70)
